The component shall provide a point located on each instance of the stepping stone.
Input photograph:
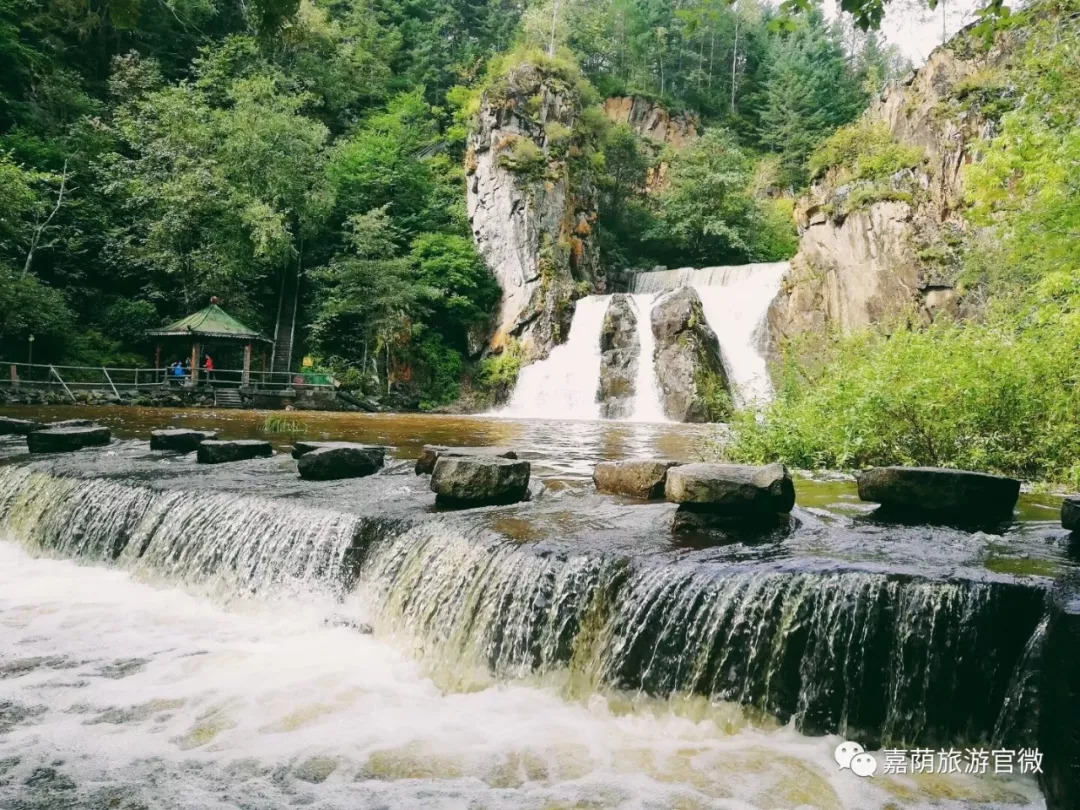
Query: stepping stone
(638, 478)
(934, 491)
(67, 439)
(301, 448)
(180, 439)
(432, 452)
(732, 489)
(342, 460)
(18, 427)
(479, 481)
(72, 423)
(1070, 513)
(220, 452)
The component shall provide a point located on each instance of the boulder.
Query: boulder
(638, 478)
(731, 490)
(17, 427)
(181, 440)
(301, 448)
(66, 439)
(342, 460)
(479, 481)
(1070, 513)
(693, 384)
(431, 453)
(219, 452)
(620, 350)
(934, 491)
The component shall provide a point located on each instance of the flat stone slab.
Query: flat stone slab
(732, 489)
(479, 481)
(431, 453)
(181, 440)
(638, 478)
(935, 490)
(1070, 513)
(18, 427)
(67, 439)
(66, 423)
(341, 460)
(221, 452)
(302, 448)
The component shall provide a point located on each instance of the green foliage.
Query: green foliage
(281, 423)
(522, 156)
(499, 372)
(864, 151)
(30, 307)
(991, 396)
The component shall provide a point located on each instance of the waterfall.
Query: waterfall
(563, 386)
(647, 404)
(736, 300)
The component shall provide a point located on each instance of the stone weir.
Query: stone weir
(891, 635)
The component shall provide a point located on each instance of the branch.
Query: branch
(41, 228)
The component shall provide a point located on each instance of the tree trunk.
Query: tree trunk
(734, 58)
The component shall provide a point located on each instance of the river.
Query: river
(144, 679)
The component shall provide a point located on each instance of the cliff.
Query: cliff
(662, 130)
(532, 202)
(882, 225)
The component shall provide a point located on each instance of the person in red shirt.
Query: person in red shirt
(208, 367)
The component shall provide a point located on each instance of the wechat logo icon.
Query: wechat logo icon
(851, 755)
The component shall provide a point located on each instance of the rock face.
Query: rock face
(465, 481)
(693, 384)
(620, 351)
(17, 427)
(342, 460)
(532, 203)
(651, 121)
(220, 452)
(431, 453)
(875, 250)
(638, 478)
(179, 439)
(935, 491)
(1070, 513)
(66, 439)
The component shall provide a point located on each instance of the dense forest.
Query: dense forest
(154, 153)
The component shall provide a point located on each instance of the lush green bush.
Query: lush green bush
(864, 151)
(988, 396)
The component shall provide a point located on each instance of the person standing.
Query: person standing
(208, 367)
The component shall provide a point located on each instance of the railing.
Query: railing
(117, 380)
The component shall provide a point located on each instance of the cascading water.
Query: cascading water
(563, 386)
(736, 300)
(836, 651)
(647, 405)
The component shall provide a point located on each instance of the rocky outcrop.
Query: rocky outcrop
(875, 250)
(467, 481)
(925, 492)
(341, 460)
(221, 452)
(1070, 513)
(67, 439)
(637, 478)
(663, 130)
(620, 350)
(532, 203)
(693, 384)
(729, 497)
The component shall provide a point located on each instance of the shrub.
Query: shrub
(864, 151)
(522, 156)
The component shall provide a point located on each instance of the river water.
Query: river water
(125, 685)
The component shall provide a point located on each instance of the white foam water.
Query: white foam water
(563, 386)
(647, 404)
(124, 693)
(736, 301)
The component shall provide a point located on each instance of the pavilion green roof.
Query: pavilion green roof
(213, 322)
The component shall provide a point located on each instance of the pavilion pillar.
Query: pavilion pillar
(196, 352)
(157, 362)
(245, 378)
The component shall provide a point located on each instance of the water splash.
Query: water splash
(563, 386)
(736, 301)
